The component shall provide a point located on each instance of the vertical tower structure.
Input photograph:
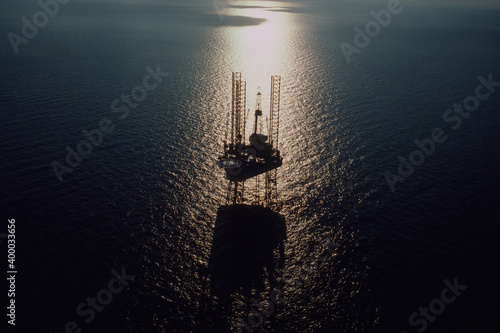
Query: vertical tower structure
(238, 107)
(274, 112)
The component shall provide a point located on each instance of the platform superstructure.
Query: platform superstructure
(241, 159)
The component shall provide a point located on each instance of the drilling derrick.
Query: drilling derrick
(258, 110)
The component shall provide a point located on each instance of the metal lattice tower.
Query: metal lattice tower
(271, 199)
(274, 112)
(242, 104)
(238, 108)
(234, 100)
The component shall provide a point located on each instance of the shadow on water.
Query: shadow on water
(246, 257)
(244, 242)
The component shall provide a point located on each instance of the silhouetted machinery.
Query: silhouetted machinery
(248, 229)
(243, 160)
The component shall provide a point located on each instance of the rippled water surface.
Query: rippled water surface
(357, 257)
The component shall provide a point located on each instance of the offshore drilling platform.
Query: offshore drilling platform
(247, 251)
(243, 160)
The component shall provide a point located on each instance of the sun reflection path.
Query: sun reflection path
(260, 51)
(273, 47)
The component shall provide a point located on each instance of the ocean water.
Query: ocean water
(355, 256)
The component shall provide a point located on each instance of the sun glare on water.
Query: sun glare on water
(260, 50)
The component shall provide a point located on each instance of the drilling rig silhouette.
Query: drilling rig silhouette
(242, 160)
(249, 233)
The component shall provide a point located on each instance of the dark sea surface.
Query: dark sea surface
(146, 199)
